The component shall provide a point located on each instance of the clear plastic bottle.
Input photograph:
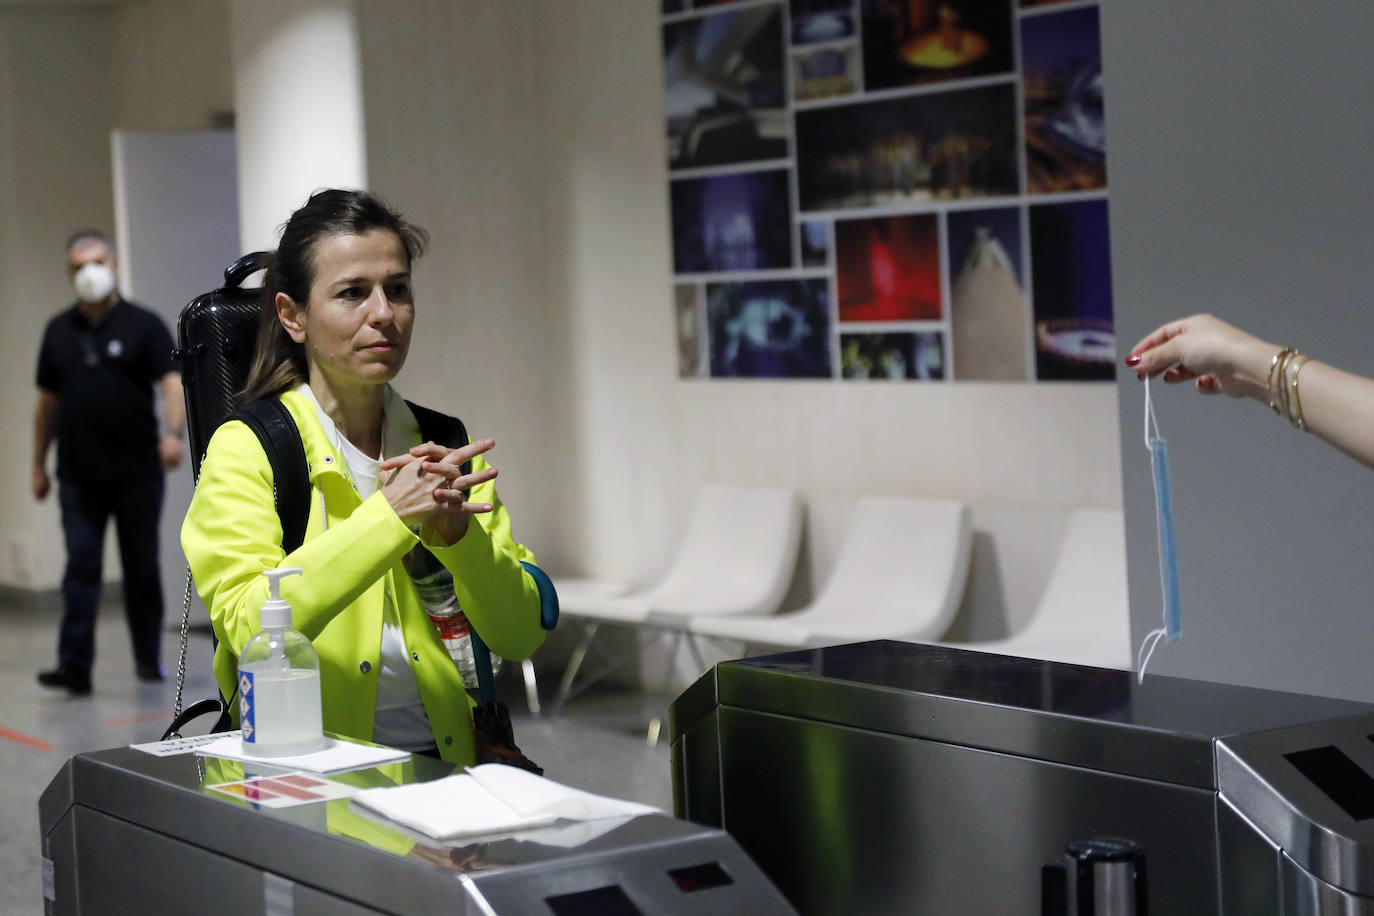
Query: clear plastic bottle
(434, 583)
(279, 683)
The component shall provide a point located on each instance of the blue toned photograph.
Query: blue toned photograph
(769, 329)
(724, 88)
(1066, 131)
(731, 222)
(1072, 286)
(815, 244)
(903, 356)
(821, 20)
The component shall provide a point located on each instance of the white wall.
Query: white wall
(1241, 184)
(453, 142)
(67, 77)
(172, 67)
(298, 101)
(527, 137)
(55, 169)
(645, 439)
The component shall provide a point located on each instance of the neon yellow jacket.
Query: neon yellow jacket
(352, 553)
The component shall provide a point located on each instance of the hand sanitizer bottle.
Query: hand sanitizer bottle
(279, 682)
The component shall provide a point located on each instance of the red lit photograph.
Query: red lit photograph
(889, 268)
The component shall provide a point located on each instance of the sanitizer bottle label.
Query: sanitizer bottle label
(246, 707)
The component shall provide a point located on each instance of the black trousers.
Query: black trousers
(136, 505)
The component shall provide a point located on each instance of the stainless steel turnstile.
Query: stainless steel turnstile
(890, 777)
(126, 832)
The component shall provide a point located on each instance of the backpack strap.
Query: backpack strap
(276, 429)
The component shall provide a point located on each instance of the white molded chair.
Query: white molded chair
(578, 592)
(1083, 617)
(737, 556)
(900, 574)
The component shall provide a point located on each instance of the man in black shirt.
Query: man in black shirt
(97, 366)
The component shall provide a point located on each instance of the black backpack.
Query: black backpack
(216, 337)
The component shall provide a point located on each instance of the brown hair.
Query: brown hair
(278, 361)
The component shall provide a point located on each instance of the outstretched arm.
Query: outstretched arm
(1335, 405)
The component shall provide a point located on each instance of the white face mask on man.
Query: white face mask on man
(93, 282)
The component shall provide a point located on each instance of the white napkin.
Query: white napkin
(491, 798)
(337, 755)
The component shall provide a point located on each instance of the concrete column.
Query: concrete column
(299, 107)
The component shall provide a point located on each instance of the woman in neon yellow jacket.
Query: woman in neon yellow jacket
(338, 311)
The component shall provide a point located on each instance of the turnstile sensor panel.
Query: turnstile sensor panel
(603, 901)
(1339, 777)
(700, 877)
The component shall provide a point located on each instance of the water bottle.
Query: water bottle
(434, 583)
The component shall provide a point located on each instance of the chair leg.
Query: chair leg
(656, 723)
(589, 629)
(531, 686)
(695, 649)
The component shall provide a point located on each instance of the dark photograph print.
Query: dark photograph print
(769, 329)
(912, 42)
(888, 268)
(731, 222)
(1066, 131)
(725, 87)
(894, 356)
(1072, 283)
(944, 146)
(989, 313)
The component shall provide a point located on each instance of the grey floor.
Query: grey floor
(597, 744)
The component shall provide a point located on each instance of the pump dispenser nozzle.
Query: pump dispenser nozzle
(276, 612)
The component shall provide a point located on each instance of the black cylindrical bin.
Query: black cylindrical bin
(1104, 876)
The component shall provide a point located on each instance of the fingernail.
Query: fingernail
(1133, 359)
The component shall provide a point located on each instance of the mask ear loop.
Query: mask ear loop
(1150, 418)
(1151, 641)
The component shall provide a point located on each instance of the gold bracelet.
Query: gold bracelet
(1296, 416)
(1280, 356)
(1284, 408)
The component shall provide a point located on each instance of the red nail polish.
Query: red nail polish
(1133, 360)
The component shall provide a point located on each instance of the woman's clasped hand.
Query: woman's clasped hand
(428, 489)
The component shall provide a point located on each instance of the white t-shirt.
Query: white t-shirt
(400, 722)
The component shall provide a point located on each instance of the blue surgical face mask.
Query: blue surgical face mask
(1168, 549)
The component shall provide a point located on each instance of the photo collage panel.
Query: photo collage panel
(878, 190)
